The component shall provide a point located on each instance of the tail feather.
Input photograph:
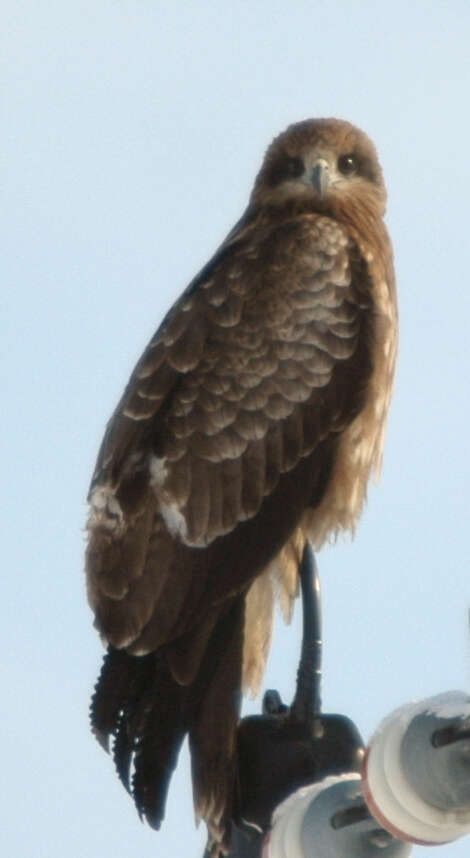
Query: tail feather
(212, 725)
(133, 718)
(158, 741)
(139, 703)
(120, 681)
(123, 748)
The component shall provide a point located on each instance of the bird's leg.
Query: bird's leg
(307, 701)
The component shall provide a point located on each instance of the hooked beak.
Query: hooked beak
(320, 177)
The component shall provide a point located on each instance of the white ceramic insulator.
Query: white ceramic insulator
(388, 793)
(283, 840)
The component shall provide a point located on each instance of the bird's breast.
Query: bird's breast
(360, 445)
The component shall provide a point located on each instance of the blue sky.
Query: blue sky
(132, 132)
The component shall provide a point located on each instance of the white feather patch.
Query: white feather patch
(174, 520)
(105, 509)
(158, 472)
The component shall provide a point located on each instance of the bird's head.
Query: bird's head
(320, 164)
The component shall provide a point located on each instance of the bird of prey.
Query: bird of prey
(250, 425)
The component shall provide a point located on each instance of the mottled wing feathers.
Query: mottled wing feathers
(120, 435)
(249, 374)
(216, 408)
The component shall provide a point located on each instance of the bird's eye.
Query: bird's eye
(348, 164)
(294, 168)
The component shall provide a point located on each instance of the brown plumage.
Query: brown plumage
(251, 423)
